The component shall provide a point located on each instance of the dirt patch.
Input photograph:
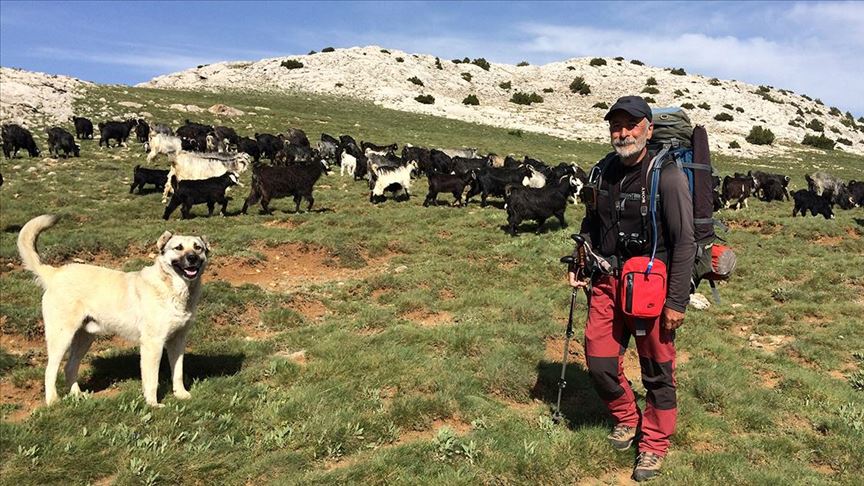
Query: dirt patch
(298, 357)
(446, 294)
(284, 224)
(828, 240)
(429, 319)
(853, 233)
(290, 266)
(797, 358)
(378, 293)
(28, 398)
(759, 227)
(555, 351)
(617, 476)
(768, 343)
(312, 310)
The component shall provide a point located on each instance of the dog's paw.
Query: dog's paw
(75, 389)
(182, 395)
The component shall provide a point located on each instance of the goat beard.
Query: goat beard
(629, 146)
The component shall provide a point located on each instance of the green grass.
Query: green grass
(386, 397)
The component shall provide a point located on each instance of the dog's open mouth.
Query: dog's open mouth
(187, 271)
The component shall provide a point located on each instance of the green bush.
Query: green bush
(688, 106)
(834, 129)
(571, 68)
(579, 86)
(739, 109)
(471, 100)
(760, 136)
(678, 93)
(818, 141)
(291, 64)
(818, 102)
(309, 54)
(515, 133)
(523, 63)
(425, 99)
(637, 62)
(835, 111)
(619, 58)
(328, 49)
(650, 90)
(456, 61)
(815, 125)
(734, 144)
(845, 141)
(678, 72)
(848, 122)
(399, 59)
(483, 63)
(438, 64)
(649, 99)
(339, 85)
(466, 77)
(728, 106)
(548, 90)
(723, 117)
(601, 105)
(521, 98)
(385, 51)
(806, 97)
(651, 82)
(714, 82)
(505, 85)
(763, 89)
(704, 106)
(794, 123)
(416, 80)
(597, 61)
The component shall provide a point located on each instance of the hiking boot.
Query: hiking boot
(621, 437)
(647, 466)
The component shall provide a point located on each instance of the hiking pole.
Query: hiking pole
(557, 417)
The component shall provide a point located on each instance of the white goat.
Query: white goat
(160, 143)
(189, 165)
(349, 164)
(535, 180)
(384, 177)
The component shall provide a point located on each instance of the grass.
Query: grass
(427, 361)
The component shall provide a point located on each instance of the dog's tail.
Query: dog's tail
(27, 245)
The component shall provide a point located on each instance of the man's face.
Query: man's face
(629, 134)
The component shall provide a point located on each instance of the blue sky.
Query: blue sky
(809, 47)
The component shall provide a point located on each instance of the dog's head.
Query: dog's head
(186, 256)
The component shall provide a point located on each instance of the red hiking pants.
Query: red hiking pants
(607, 334)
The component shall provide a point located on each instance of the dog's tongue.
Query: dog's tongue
(190, 272)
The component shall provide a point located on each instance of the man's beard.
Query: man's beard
(630, 146)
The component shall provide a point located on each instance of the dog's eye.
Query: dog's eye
(196, 247)
(179, 247)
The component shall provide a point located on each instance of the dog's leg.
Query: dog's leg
(175, 347)
(80, 344)
(59, 331)
(151, 354)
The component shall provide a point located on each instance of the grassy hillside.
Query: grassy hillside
(397, 344)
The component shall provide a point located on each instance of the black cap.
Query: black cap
(634, 105)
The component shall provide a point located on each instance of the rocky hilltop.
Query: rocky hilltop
(393, 79)
(37, 99)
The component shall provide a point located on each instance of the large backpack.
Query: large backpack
(687, 147)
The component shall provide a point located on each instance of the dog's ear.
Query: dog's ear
(206, 244)
(163, 240)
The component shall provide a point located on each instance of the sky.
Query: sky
(813, 48)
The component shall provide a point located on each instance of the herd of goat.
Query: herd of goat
(207, 160)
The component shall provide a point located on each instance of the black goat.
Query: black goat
(446, 183)
(59, 139)
(806, 200)
(250, 147)
(16, 137)
(199, 191)
(493, 182)
(142, 131)
(141, 176)
(538, 204)
(269, 145)
(83, 127)
(295, 180)
(115, 130)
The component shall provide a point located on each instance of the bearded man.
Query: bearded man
(618, 228)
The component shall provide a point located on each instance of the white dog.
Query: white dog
(153, 307)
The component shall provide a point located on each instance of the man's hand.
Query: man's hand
(672, 319)
(575, 282)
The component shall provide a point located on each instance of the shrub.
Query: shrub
(848, 122)
(739, 109)
(482, 63)
(806, 97)
(649, 99)
(438, 63)
(723, 117)
(471, 100)
(597, 61)
(760, 136)
(339, 85)
(515, 133)
(523, 63)
(312, 52)
(818, 141)
(425, 99)
(328, 49)
(601, 105)
(650, 90)
(678, 92)
(818, 102)
(548, 90)
(763, 89)
(835, 111)
(571, 68)
(416, 80)
(714, 82)
(861, 119)
(815, 125)
(768, 97)
(291, 64)
(651, 82)
(637, 62)
(466, 77)
(619, 58)
(794, 123)
(704, 106)
(457, 61)
(734, 144)
(844, 141)
(521, 98)
(399, 59)
(728, 106)
(505, 85)
(834, 129)
(688, 106)
(385, 51)
(678, 72)
(580, 86)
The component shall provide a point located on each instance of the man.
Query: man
(617, 227)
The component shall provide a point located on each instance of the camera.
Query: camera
(631, 244)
